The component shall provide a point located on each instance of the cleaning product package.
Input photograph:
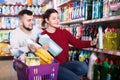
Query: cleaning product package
(54, 48)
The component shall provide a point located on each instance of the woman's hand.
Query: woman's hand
(94, 42)
(45, 46)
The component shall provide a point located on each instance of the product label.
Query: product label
(54, 48)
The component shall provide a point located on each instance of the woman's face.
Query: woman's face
(53, 20)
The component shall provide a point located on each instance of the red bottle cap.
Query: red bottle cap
(111, 61)
(113, 29)
(96, 60)
(106, 59)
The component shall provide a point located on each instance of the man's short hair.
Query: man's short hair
(24, 11)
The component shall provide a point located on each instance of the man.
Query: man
(26, 31)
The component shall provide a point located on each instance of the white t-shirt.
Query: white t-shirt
(18, 40)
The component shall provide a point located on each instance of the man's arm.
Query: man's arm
(15, 48)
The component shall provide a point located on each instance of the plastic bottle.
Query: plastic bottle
(114, 39)
(107, 39)
(70, 54)
(29, 2)
(100, 37)
(94, 9)
(118, 39)
(106, 8)
(92, 59)
(100, 9)
(96, 72)
(88, 15)
(113, 70)
(81, 56)
(104, 70)
(54, 48)
(74, 56)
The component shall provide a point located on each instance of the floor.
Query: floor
(6, 70)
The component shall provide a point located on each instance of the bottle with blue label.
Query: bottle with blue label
(100, 9)
(54, 48)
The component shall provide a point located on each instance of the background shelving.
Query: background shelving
(111, 52)
(109, 17)
(103, 20)
(65, 3)
(72, 21)
(9, 17)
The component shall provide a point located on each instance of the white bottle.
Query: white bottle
(93, 57)
(100, 37)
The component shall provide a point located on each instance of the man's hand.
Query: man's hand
(32, 48)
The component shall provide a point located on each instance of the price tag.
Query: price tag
(95, 49)
(118, 53)
(99, 50)
(91, 49)
(110, 52)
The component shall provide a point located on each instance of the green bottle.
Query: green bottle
(88, 14)
(96, 72)
(105, 69)
(113, 70)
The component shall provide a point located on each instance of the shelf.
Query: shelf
(19, 5)
(66, 2)
(5, 41)
(42, 3)
(6, 57)
(111, 52)
(7, 29)
(72, 21)
(9, 15)
(102, 20)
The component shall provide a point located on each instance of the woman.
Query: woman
(68, 70)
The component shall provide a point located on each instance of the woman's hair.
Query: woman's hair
(47, 14)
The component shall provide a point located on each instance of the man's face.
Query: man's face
(27, 22)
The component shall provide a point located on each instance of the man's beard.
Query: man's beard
(28, 29)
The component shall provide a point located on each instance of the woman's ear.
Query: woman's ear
(46, 20)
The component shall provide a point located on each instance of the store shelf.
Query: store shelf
(72, 21)
(42, 3)
(19, 5)
(66, 2)
(102, 20)
(111, 52)
(9, 15)
(7, 29)
(6, 57)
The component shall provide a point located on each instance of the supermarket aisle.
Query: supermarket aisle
(6, 70)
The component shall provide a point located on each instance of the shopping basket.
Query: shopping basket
(41, 72)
